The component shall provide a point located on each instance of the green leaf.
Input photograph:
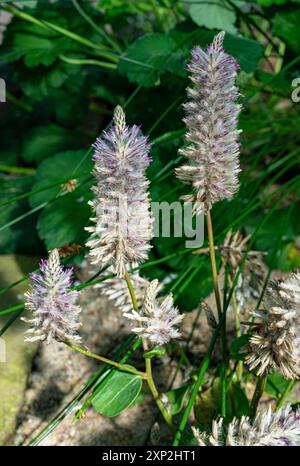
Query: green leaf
(208, 403)
(117, 393)
(63, 220)
(214, 14)
(176, 398)
(20, 237)
(58, 169)
(239, 401)
(154, 352)
(236, 346)
(286, 26)
(272, 2)
(143, 59)
(276, 384)
(153, 54)
(44, 141)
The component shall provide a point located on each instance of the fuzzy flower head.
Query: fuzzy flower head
(212, 118)
(158, 319)
(53, 304)
(123, 222)
(274, 343)
(268, 429)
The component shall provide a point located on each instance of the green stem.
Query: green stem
(219, 308)
(87, 61)
(89, 20)
(101, 49)
(259, 390)
(17, 170)
(285, 394)
(239, 373)
(167, 416)
(200, 377)
(105, 360)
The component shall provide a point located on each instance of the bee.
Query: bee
(69, 250)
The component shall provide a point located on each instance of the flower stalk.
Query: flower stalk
(259, 390)
(149, 378)
(219, 308)
(105, 360)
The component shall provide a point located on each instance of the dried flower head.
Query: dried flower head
(275, 339)
(250, 280)
(268, 429)
(123, 223)
(212, 118)
(55, 313)
(210, 317)
(117, 290)
(158, 319)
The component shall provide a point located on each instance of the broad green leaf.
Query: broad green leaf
(44, 141)
(64, 166)
(143, 59)
(38, 46)
(63, 220)
(117, 393)
(44, 80)
(214, 14)
(176, 398)
(20, 237)
(286, 26)
(153, 54)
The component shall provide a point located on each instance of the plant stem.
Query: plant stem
(213, 261)
(167, 416)
(259, 390)
(105, 360)
(87, 61)
(219, 308)
(239, 373)
(285, 394)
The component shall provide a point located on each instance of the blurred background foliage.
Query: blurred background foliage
(68, 63)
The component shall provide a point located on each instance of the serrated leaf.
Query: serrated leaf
(60, 168)
(38, 46)
(44, 141)
(142, 60)
(117, 394)
(176, 398)
(214, 14)
(42, 82)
